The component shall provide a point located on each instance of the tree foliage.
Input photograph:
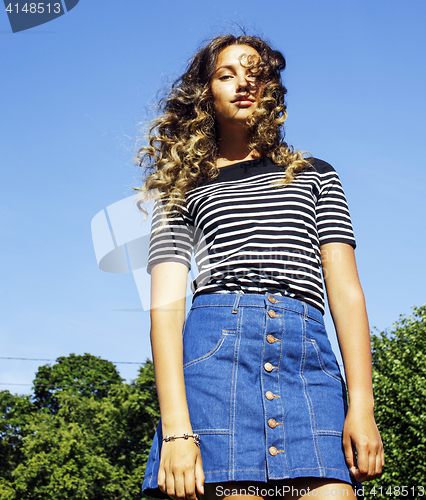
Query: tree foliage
(399, 380)
(15, 414)
(86, 435)
(84, 375)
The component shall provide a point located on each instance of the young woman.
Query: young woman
(252, 400)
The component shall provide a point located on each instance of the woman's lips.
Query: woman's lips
(243, 101)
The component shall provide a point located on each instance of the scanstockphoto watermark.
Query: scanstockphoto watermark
(123, 231)
(282, 490)
(26, 15)
(295, 263)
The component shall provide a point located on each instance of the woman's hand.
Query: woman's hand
(360, 433)
(181, 472)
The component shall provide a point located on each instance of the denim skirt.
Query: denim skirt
(264, 391)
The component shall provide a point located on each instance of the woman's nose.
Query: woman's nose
(242, 84)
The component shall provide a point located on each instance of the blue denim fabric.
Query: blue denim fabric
(264, 391)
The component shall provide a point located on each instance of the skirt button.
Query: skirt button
(268, 367)
(273, 451)
(271, 339)
(271, 299)
(272, 423)
(269, 395)
(271, 313)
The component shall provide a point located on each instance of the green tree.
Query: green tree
(399, 380)
(86, 375)
(85, 441)
(15, 413)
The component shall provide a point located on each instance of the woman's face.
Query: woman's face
(236, 92)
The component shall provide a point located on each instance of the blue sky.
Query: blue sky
(75, 94)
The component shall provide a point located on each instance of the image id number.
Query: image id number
(398, 491)
(34, 8)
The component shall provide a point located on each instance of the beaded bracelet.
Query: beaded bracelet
(196, 438)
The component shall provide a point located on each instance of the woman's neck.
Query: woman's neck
(233, 148)
(224, 161)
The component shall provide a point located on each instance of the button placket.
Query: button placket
(275, 453)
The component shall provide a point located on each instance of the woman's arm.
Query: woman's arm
(180, 466)
(347, 307)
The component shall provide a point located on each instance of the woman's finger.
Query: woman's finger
(375, 458)
(349, 452)
(170, 485)
(363, 461)
(179, 486)
(199, 476)
(190, 485)
(372, 462)
(161, 480)
(379, 463)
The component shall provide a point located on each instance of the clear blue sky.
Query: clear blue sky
(74, 93)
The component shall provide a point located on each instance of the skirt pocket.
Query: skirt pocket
(325, 387)
(327, 370)
(210, 357)
(319, 353)
(207, 330)
(214, 351)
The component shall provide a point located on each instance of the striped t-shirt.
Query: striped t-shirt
(250, 236)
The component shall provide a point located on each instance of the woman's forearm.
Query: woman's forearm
(168, 287)
(166, 341)
(350, 319)
(347, 307)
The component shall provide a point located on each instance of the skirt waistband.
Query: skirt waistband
(242, 299)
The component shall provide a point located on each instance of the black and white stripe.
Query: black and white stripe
(249, 235)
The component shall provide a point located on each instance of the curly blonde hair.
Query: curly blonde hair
(183, 141)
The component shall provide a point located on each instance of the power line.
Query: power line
(6, 383)
(40, 359)
(73, 385)
(54, 360)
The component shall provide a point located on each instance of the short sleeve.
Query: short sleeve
(171, 241)
(334, 223)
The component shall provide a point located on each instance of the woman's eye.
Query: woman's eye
(225, 77)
